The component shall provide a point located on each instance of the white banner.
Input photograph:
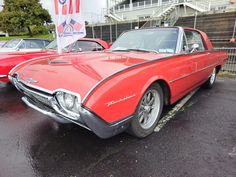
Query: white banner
(70, 25)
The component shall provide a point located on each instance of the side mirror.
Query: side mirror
(194, 48)
(76, 50)
(109, 45)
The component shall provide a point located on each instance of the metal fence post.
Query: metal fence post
(234, 29)
(93, 31)
(195, 20)
(116, 31)
(101, 31)
(110, 32)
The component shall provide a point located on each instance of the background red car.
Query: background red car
(8, 60)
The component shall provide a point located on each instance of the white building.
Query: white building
(143, 10)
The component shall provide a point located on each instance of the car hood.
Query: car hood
(81, 72)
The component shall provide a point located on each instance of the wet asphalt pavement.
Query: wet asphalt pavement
(199, 142)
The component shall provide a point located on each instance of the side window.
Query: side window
(194, 38)
(33, 44)
(87, 46)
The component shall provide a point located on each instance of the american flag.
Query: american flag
(61, 27)
(70, 24)
(72, 5)
(77, 26)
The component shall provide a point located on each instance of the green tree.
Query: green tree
(21, 14)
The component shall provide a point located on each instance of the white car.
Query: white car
(24, 45)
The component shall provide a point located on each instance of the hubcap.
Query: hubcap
(213, 76)
(149, 109)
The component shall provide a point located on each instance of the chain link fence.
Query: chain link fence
(110, 32)
(230, 66)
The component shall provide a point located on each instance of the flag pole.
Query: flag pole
(59, 49)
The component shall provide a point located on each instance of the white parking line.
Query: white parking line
(174, 111)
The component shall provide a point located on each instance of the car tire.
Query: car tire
(148, 112)
(210, 82)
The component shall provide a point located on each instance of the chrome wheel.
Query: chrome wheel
(149, 109)
(213, 76)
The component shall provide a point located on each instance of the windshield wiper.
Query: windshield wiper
(133, 49)
(143, 50)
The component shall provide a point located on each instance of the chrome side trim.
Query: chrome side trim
(3, 76)
(191, 73)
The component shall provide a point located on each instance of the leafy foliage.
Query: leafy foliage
(21, 14)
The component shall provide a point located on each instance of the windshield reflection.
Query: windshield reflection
(159, 40)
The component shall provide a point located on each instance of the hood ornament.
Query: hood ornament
(30, 80)
(50, 62)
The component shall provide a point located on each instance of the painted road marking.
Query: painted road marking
(170, 115)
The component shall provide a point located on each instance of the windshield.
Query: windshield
(12, 43)
(161, 40)
(53, 46)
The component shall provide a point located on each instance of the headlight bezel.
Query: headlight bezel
(59, 96)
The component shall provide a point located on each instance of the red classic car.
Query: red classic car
(8, 60)
(124, 88)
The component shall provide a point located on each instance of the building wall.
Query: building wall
(149, 12)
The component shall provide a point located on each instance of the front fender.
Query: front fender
(117, 97)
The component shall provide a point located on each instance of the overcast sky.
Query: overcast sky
(92, 9)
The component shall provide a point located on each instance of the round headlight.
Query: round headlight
(69, 101)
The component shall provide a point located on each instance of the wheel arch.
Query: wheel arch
(165, 87)
(166, 90)
(218, 68)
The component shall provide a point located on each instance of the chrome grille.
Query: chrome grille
(36, 96)
(40, 98)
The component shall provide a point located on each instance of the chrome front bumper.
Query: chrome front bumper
(47, 113)
(47, 105)
(56, 116)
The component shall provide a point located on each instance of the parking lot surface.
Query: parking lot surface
(199, 142)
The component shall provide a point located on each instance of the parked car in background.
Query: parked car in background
(124, 88)
(2, 43)
(24, 45)
(8, 60)
(83, 45)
